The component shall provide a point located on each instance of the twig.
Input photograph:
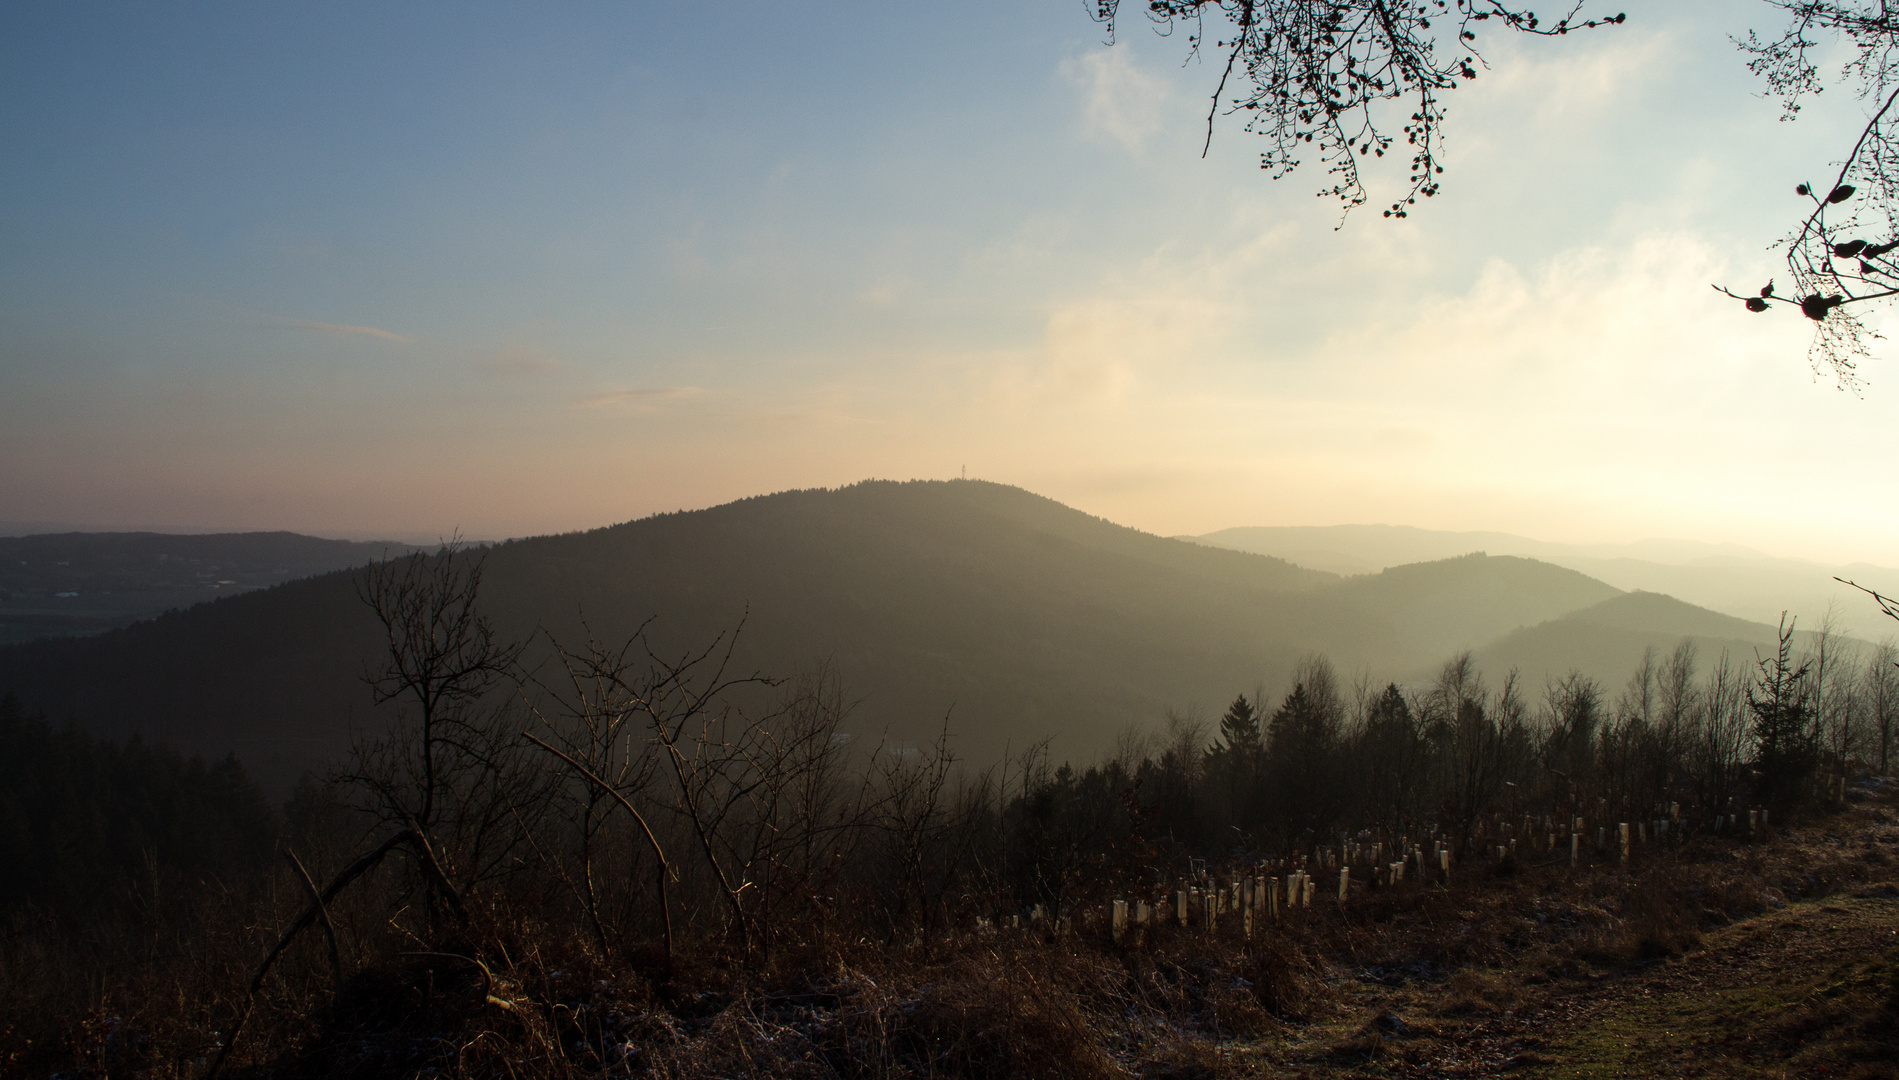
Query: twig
(1886, 604)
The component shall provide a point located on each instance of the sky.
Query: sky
(382, 270)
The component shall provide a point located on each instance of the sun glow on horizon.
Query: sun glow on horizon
(619, 277)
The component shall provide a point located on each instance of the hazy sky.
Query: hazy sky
(394, 269)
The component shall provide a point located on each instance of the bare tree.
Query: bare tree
(1473, 738)
(1638, 697)
(1882, 676)
(681, 709)
(1572, 719)
(1639, 747)
(801, 802)
(1672, 723)
(1879, 689)
(1677, 696)
(1836, 705)
(1349, 79)
(1724, 737)
(1301, 759)
(1175, 782)
(1839, 709)
(929, 825)
(765, 793)
(449, 770)
(816, 804)
(447, 782)
(588, 720)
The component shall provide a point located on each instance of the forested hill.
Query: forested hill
(1602, 638)
(1017, 617)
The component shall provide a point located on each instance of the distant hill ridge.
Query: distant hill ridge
(1014, 616)
(1359, 549)
(1598, 638)
(1729, 578)
(82, 583)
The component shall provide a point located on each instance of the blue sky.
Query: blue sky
(401, 269)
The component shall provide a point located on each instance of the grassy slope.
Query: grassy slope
(1802, 990)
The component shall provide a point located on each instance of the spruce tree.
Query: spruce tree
(1239, 728)
(1783, 724)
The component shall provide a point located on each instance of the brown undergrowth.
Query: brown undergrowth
(1418, 980)
(999, 1005)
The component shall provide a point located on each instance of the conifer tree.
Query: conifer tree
(1783, 723)
(1239, 728)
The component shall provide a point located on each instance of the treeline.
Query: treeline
(92, 829)
(1327, 759)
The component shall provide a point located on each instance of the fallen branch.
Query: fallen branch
(363, 864)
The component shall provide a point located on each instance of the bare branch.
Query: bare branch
(1323, 74)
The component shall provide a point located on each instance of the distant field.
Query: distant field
(25, 616)
(74, 584)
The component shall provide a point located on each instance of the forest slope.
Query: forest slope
(1019, 618)
(1016, 617)
(1606, 640)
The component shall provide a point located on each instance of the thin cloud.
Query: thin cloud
(518, 359)
(340, 329)
(638, 396)
(1123, 104)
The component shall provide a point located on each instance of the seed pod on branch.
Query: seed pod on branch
(1815, 306)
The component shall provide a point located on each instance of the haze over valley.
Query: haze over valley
(1725, 577)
